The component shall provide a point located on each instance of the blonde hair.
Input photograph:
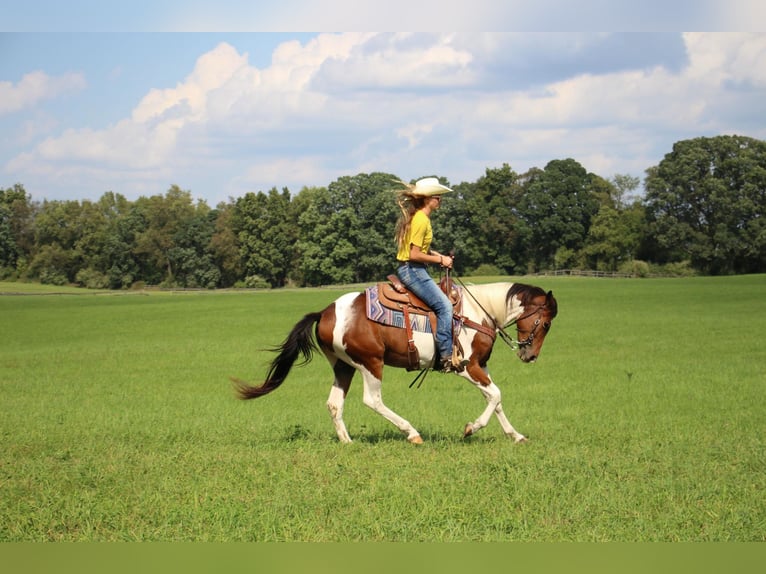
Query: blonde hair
(408, 203)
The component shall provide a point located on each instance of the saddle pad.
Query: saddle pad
(393, 317)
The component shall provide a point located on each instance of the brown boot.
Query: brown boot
(457, 360)
(450, 365)
(447, 366)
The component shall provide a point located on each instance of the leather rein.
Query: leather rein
(500, 329)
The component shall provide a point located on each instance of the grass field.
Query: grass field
(646, 415)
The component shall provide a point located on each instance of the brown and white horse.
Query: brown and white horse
(352, 342)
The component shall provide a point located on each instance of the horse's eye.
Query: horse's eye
(546, 326)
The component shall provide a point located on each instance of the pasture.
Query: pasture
(645, 412)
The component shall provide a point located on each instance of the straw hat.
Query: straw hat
(428, 186)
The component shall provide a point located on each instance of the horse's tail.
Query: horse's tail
(300, 341)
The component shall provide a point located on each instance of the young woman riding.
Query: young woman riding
(414, 236)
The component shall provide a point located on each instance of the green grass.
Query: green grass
(645, 414)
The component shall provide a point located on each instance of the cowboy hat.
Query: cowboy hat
(429, 186)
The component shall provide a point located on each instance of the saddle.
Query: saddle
(394, 295)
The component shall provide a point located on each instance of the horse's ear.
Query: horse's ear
(551, 303)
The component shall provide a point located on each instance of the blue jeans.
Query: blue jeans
(416, 278)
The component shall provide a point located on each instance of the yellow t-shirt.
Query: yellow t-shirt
(419, 233)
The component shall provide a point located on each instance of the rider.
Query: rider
(414, 236)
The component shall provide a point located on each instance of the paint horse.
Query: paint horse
(352, 341)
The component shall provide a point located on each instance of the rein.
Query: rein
(512, 343)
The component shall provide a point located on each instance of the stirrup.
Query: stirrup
(458, 362)
(452, 365)
(446, 366)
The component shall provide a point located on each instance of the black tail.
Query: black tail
(300, 341)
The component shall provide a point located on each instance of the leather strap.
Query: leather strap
(413, 357)
(477, 326)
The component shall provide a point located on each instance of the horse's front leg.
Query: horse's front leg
(506, 424)
(493, 396)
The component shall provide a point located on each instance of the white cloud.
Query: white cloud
(35, 87)
(403, 61)
(212, 71)
(36, 126)
(148, 139)
(414, 133)
(734, 15)
(416, 104)
(721, 57)
(308, 169)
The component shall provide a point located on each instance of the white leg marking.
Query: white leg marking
(373, 398)
(335, 405)
(493, 396)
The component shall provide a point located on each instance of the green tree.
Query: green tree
(266, 233)
(455, 227)
(127, 264)
(8, 251)
(157, 222)
(16, 229)
(555, 211)
(192, 261)
(347, 231)
(325, 252)
(52, 265)
(57, 230)
(706, 202)
(615, 232)
(372, 214)
(489, 226)
(624, 187)
(224, 245)
(90, 252)
(116, 259)
(613, 237)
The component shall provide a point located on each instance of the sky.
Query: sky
(135, 97)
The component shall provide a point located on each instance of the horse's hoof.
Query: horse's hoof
(521, 440)
(468, 431)
(416, 439)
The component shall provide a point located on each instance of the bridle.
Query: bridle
(498, 328)
(531, 337)
(514, 344)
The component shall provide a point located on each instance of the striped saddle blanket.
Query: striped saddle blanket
(391, 304)
(383, 310)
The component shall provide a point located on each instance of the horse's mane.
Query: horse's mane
(492, 294)
(529, 292)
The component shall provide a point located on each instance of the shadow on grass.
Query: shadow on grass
(439, 438)
(301, 434)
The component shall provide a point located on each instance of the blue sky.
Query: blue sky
(134, 97)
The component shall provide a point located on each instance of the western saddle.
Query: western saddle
(394, 295)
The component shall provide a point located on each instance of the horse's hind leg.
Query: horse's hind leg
(373, 398)
(343, 375)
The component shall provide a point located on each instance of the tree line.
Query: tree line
(703, 211)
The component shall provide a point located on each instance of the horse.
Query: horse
(353, 342)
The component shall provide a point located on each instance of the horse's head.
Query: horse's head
(534, 322)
